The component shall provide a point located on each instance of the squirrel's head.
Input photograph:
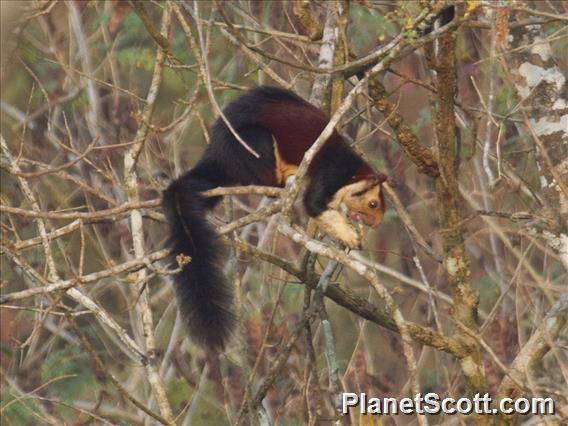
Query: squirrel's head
(364, 199)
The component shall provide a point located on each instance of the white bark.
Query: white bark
(541, 85)
(327, 53)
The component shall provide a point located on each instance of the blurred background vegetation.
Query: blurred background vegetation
(75, 79)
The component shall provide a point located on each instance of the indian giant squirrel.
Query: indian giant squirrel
(280, 126)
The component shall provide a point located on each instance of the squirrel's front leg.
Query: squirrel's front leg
(334, 224)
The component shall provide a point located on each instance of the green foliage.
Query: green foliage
(134, 32)
(70, 361)
(430, 379)
(142, 58)
(17, 410)
(402, 17)
(424, 119)
(293, 295)
(209, 412)
(181, 50)
(390, 216)
(505, 99)
(378, 162)
(173, 81)
(6, 350)
(28, 53)
(381, 25)
(179, 393)
(99, 20)
(80, 103)
(488, 290)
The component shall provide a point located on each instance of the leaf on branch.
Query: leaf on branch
(182, 260)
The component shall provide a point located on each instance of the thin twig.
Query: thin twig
(131, 185)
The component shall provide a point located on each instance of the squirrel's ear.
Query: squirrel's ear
(380, 178)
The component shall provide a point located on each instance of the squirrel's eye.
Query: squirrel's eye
(373, 204)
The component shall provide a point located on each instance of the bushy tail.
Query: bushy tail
(204, 296)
